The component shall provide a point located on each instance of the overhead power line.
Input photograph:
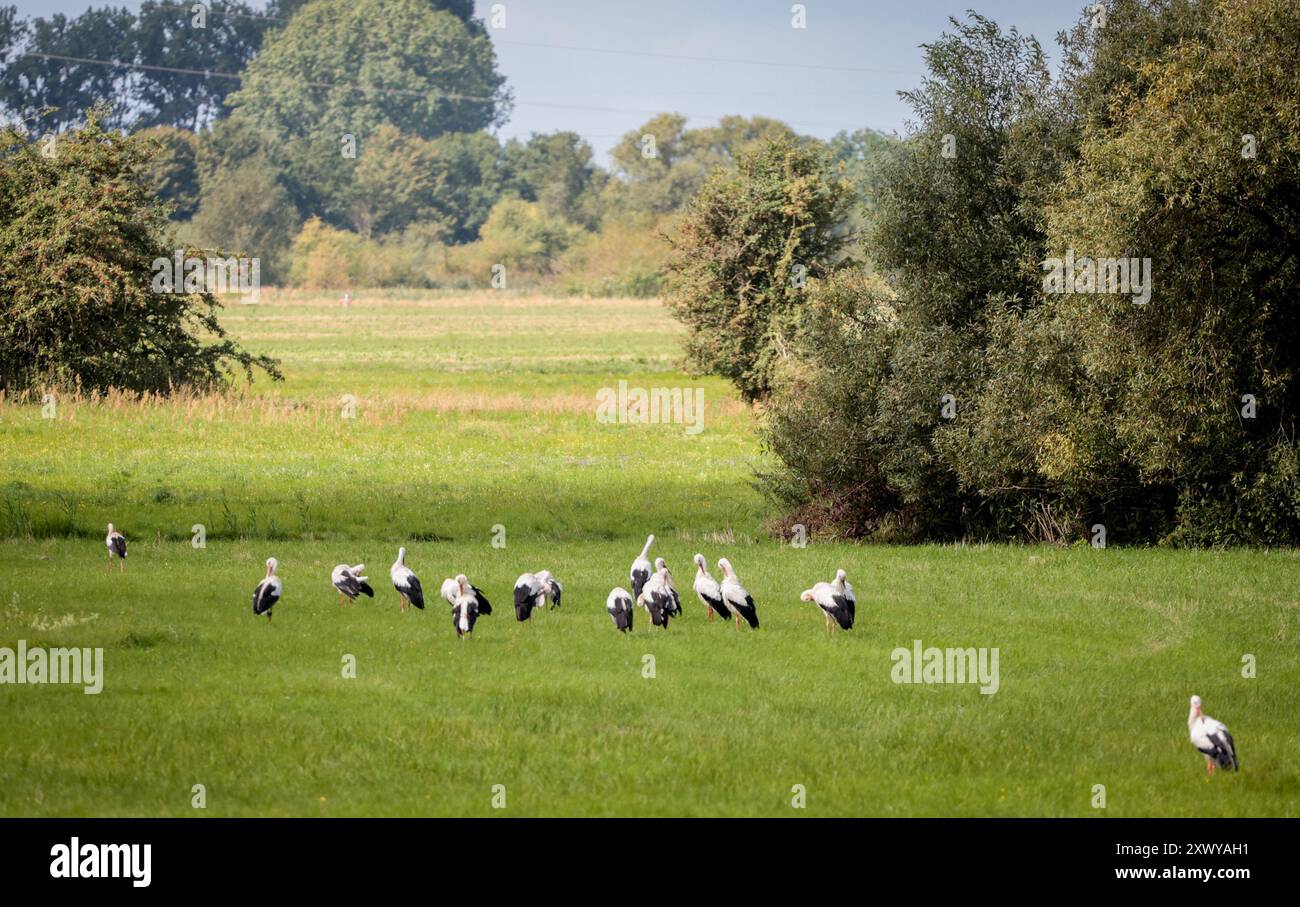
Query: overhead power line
(404, 92)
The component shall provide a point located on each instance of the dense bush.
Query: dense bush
(743, 251)
(79, 231)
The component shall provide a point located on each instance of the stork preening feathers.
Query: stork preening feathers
(659, 598)
(116, 543)
(708, 590)
(529, 594)
(467, 603)
(641, 569)
(451, 591)
(735, 597)
(406, 582)
(267, 592)
(836, 601)
(1211, 737)
(350, 583)
(619, 606)
(551, 588)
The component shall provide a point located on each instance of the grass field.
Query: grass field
(476, 412)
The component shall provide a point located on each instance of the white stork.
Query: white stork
(529, 594)
(735, 596)
(451, 591)
(350, 583)
(551, 588)
(116, 543)
(406, 582)
(836, 601)
(267, 592)
(466, 606)
(619, 606)
(641, 569)
(708, 591)
(675, 600)
(657, 597)
(1211, 737)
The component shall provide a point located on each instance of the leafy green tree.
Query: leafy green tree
(743, 250)
(173, 170)
(659, 166)
(1198, 171)
(53, 94)
(558, 172)
(79, 233)
(247, 210)
(340, 69)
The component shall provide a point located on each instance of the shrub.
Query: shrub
(79, 231)
(740, 255)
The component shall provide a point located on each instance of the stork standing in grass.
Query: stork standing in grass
(675, 600)
(406, 582)
(836, 601)
(267, 592)
(735, 596)
(551, 588)
(708, 591)
(116, 543)
(452, 592)
(467, 604)
(350, 583)
(641, 568)
(1211, 737)
(529, 594)
(619, 606)
(657, 597)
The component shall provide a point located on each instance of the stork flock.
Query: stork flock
(653, 591)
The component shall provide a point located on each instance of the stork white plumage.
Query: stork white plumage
(268, 591)
(1211, 737)
(641, 568)
(657, 597)
(708, 590)
(529, 594)
(619, 606)
(116, 543)
(551, 588)
(735, 596)
(674, 600)
(466, 606)
(406, 582)
(836, 601)
(350, 583)
(452, 592)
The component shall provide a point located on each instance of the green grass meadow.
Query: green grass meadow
(473, 413)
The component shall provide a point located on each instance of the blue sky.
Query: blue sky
(602, 67)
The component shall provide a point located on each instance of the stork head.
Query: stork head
(271, 564)
(650, 540)
(1196, 704)
(701, 563)
(840, 576)
(725, 566)
(543, 576)
(808, 595)
(461, 582)
(110, 528)
(660, 564)
(401, 555)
